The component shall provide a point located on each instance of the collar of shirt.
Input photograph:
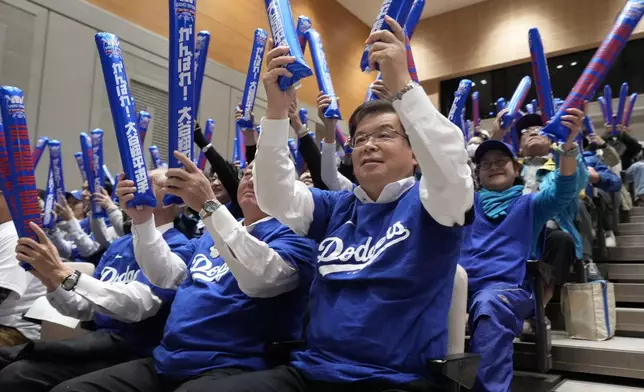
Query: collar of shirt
(163, 228)
(391, 191)
(250, 227)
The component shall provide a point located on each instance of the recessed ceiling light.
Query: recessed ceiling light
(573, 63)
(473, 84)
(559, 66)
(483, 81)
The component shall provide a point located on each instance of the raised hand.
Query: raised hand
(125, 191)
(278, 101)
(190, 184)
(388, 50)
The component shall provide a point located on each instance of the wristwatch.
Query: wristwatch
(558, 148)
(398, 96)
(71, 281)
(209, 207)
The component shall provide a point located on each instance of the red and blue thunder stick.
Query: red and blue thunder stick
(124, 117)
(252, 79)
(210, 127)
(280, 20)
(143, 123)
(599, 65)
(39, 148)
(322, 73)
(21, 168)
(541, 75)
(415, 13)
(201, 59)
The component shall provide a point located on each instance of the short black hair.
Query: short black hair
(377, 106)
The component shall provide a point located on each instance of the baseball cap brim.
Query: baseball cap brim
(76, 194)
(527, 121)
(490, 145)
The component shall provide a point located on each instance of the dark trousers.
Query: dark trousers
(287, 379)
(559, 254)
(141, 376)
(41, 365)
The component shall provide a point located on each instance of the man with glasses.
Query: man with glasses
(387, 251)
(497, 245)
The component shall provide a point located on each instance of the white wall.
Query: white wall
(47, 49)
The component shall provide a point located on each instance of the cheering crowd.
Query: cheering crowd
(354, 258)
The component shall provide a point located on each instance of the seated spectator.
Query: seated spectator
(624, 143)
(306, 179)
(388, 249)
(214, 329)
(18, 288)
(538, 174)
(129, 312)
(496, 246)
(602, 180)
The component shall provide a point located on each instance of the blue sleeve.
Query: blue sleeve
(324, 202)
(556, 193)
(608, 181)
(298, 251)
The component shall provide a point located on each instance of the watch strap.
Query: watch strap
(398, 96)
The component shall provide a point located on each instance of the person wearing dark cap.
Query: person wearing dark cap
(538, 171)
(495, 248)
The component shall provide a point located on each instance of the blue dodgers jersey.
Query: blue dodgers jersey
(382, 292)
(213, 324)
(496, 252)
(118, 265)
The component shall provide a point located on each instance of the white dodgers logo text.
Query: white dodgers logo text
(111, 275)
(202, 269)
(332, 249)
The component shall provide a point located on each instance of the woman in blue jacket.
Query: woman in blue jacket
(500, 241)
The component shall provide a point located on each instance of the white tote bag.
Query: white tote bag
(589, 310)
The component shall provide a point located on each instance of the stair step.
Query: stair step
(630, 240)
(636, 211)
(630, 320)
(629, 292)
(619, 356)
(623, 272)
(636, 219)
(631, 228)
(624, 253)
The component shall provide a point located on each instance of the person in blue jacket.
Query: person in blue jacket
(497, 245)
(128, 310)
(215, 328)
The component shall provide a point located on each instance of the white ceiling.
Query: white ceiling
(367, 10)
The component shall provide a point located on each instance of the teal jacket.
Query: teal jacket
(567, 216)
